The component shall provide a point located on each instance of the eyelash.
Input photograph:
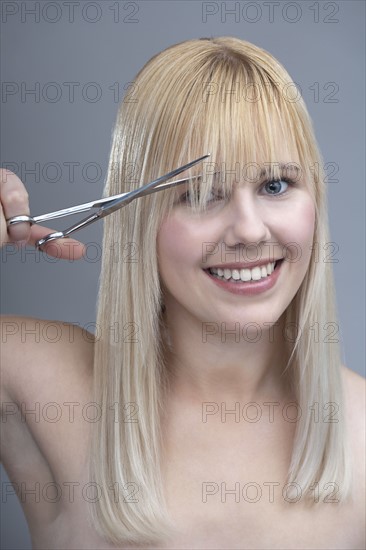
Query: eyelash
(289, 181)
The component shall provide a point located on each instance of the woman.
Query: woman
(222, 410)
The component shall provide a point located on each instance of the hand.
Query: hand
(14, 202)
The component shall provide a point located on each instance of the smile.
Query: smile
(243, 275)
(246, 281)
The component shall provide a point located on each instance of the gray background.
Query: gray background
(316, 48)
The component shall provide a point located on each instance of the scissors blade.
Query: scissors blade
(109, 201)
(105, 210)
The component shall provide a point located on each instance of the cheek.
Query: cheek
(182, 238)
(299, 230)
(176, 246)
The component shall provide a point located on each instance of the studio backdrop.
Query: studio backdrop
(65, 66)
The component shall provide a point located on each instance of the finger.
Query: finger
(64, 249)
(15, 202)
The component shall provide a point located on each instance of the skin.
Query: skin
(216, 369)
(14, 202)
(45, 372)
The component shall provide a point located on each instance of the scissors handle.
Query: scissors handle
(62, 213)
(66, 232)
(20, 219)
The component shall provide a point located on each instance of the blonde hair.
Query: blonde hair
(181, 109)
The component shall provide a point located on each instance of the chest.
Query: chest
(216, 503)
(233, 507)
(225, 487)
(230, 491)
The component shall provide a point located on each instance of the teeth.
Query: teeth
(245, 275)
(256, 273)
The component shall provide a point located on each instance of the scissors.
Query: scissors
(104, 206)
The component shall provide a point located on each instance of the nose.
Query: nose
(246, 220)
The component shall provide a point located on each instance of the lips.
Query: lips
(244, 275)
(248, 288)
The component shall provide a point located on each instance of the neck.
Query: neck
(211, 362)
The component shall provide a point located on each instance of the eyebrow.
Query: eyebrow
(281, 167)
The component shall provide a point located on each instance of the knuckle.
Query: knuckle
(17, 196)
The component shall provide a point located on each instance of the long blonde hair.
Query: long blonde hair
(232, 99)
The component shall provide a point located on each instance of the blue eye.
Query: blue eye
(274, 186)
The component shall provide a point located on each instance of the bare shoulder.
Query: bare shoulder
(36, 352)
(46, 373)
(46, 369)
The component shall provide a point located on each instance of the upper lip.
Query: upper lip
(244, 265)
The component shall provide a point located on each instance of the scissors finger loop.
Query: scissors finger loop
(49, 238)
(20, 219)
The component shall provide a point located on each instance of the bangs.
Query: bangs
(251, 130)
(242, 109)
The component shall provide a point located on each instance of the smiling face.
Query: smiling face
(260, 220)
(191, 112)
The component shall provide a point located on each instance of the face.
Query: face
(213, 264)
